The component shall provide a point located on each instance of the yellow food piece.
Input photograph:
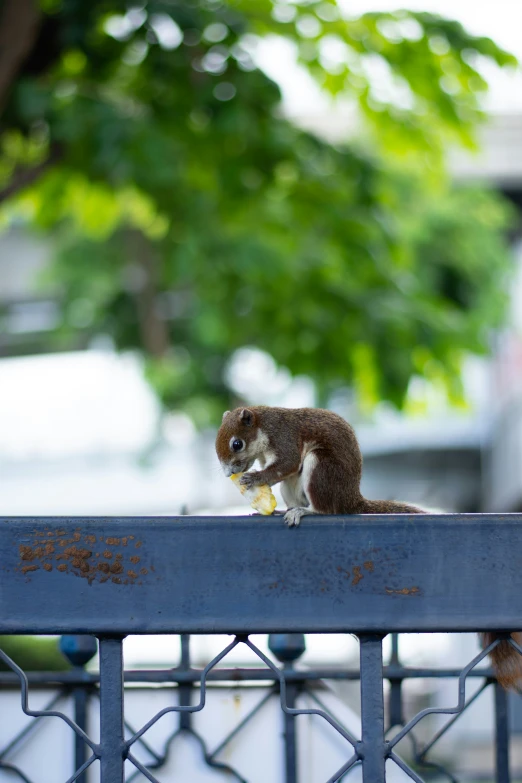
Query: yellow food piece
(260, 498)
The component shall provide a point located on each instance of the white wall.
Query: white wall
(257, 751)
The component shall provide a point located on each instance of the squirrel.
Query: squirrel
(314, 453)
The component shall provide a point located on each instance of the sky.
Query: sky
(501, 20)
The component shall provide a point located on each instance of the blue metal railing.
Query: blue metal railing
(367, 576)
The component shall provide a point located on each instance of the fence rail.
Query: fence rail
(367, 576)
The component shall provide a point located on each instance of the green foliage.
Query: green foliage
(192, 219)
(34, 653)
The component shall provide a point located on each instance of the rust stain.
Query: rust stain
(47, 548)
(75, 554)
(368, 564)
(83, 553)
(344, 571)
(324, 586)
(357, 576)
(404, 591)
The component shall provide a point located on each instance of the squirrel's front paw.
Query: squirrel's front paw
(250, 480)
(293, 516)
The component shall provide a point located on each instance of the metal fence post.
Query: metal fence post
(111, 710)
(372, 747)
(395, 716)
(79, 650)
(288, 647)
(501, 735)
(185, 689)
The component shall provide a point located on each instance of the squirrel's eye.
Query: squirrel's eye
(237, 445)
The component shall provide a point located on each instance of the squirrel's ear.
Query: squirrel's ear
(225, 414)
(246, 417)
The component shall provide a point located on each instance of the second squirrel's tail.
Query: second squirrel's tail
(506, 661)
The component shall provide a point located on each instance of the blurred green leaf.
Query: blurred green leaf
(34, 653)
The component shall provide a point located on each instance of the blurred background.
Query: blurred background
(208, 203)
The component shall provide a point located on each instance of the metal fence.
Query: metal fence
(367, 576)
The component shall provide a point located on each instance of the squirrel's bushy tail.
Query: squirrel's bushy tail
(388, 507)
(506, 661)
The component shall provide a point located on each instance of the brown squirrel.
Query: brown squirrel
(315, 455)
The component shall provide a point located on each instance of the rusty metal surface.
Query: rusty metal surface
(219, 575)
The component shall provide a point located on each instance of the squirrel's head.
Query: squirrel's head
(239, 441)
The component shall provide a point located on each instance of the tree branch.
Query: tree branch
(22, 177)
(19, 24)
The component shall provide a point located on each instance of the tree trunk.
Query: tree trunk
(19, 24)
(154, 332)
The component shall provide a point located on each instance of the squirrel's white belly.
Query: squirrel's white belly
(294, 489)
